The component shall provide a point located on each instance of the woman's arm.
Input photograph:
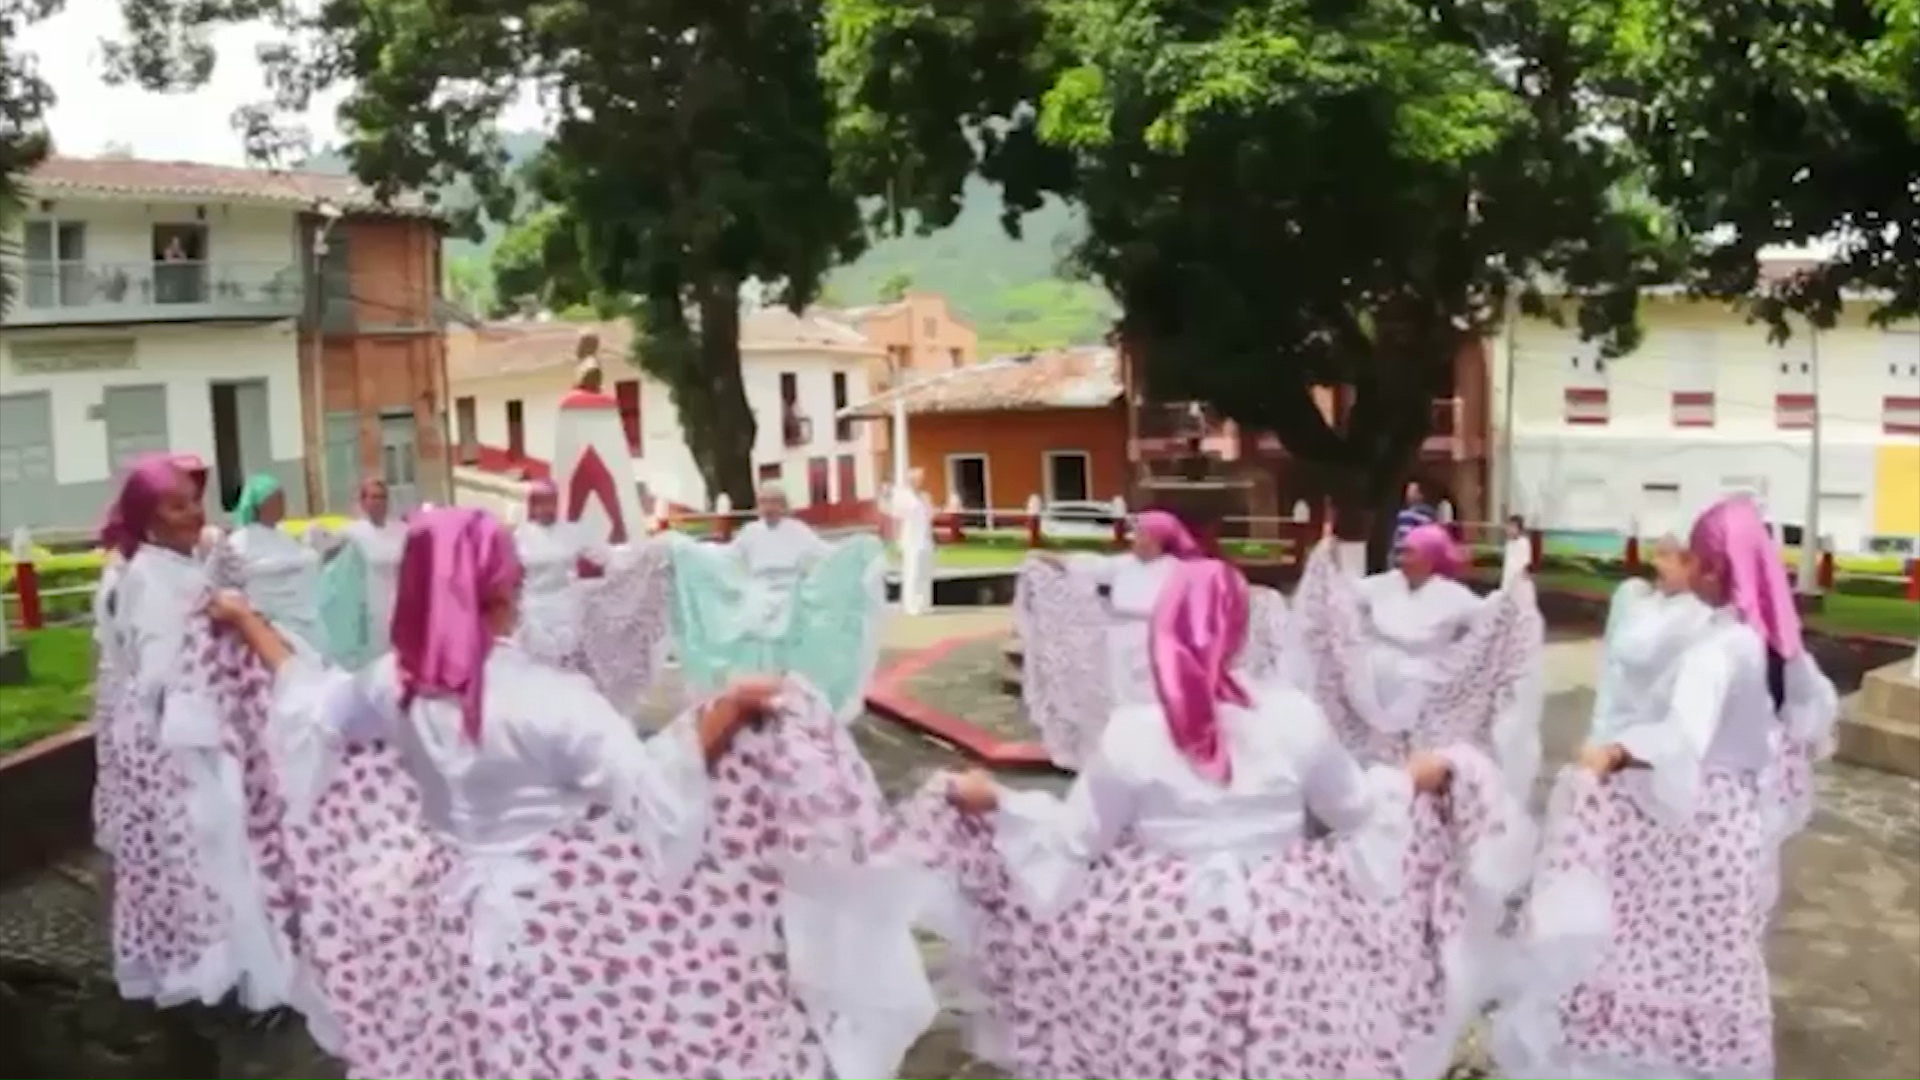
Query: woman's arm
(230, 607)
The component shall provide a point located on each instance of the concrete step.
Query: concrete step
(1880, 725)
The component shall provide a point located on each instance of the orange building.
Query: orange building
(373, 357)
(918, 335)
(994, 435)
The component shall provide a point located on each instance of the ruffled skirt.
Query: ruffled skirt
(1140, 976)
(1643, 945)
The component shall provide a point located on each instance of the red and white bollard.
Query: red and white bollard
(1120, 537)
(1035, 537)
(956, 527)
(26, 580)
(723, 518)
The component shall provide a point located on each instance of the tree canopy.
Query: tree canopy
(1279, 193)
(1794, 123)
(689, 155)
(24, 99)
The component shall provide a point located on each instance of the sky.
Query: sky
(89, 115)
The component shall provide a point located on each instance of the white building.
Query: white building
(1705, 407)
(156, 311)
(507, 380)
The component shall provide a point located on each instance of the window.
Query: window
(466, 426)
(180, 263)
(1585, 397)
(627, 393)
(56, 265)
(819, 474)
(795, 428)
(842, 428)
(335, 290)
(970, 484)
(849, 480)
(516, 430)
(1069, 476)
(897, 359)
(1900, 405)
(1691, 374)
(1660, 510)
(955, 356)
(1900, 414)
(1793, 412)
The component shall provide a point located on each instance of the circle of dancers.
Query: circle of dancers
(391, 777)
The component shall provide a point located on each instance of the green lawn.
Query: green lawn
(59, 693)
(1883, 616)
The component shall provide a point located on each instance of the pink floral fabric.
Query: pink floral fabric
(170, 921)
(110, 783)
(604, 971)
(626, 623)
(1064, 682)
(1644, 943)
(1485, 677)
(1138, 978)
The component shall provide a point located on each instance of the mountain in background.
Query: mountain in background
(1012, 291)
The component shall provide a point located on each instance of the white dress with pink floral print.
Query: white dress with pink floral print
(562, 898)
(1642, 947)
(190, 918)
(1156, 924)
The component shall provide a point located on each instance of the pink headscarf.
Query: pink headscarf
(542, 489)
(1199, 626)
(455, 560)
(195, 469)
(130, 515)
(1169, 532)
(1732, 541)
(1435, 544)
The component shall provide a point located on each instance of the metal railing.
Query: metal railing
(110, 287)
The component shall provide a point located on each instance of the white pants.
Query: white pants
(916, 578)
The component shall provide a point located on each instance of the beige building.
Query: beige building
(917, 335)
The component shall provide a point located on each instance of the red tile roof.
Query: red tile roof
(517, 348)
(190, 180)
(1076, 378)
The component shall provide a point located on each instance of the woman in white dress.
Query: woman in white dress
(1182, 922)
(551, 551)
(189, 918)
(1649, 626)
(1133, 580)
(279, 574)
(1643, 946)
(361, 577)
(495, 869)
(1411, 614)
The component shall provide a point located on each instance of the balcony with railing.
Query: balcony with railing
(70, 293)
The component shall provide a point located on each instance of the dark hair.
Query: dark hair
(1519, 520)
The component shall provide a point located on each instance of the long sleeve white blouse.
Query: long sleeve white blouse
(1287, 766)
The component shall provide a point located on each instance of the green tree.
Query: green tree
(1279, 193)
(896, 287)
(689, 154)
(24, 100)
(1807, 132)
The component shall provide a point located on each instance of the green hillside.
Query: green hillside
(1011, 290)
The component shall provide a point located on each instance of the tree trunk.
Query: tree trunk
(702, 369)
(727, 464)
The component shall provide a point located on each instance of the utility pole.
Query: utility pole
(1809, 584)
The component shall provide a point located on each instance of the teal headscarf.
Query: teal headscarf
(260, 487)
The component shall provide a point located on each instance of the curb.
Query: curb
(888, 696)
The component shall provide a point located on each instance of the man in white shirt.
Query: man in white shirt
(1517, 560)
(913, 532)
(776, 549)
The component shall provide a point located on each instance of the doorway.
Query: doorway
(1069, 476)
(969, 481)
(400, 458)
(242, 442)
